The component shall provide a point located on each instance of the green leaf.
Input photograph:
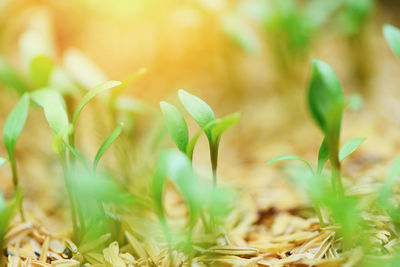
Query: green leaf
(10, 78)
(106, 144)
(55, 110)
(176, 125)
(349, 147)
(392, 35)
(291, 157)
(14, 124)
(177, 166)
(40, 70)
(198, 109)
(90, 95)
(325, 98)
(223, 124)
(2, 161)
(323, 156)
(76, 154)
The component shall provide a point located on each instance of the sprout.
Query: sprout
(197, 195)
(204, 116)
(325, 99)
(326, 104)
(177, 166)
(392, 35)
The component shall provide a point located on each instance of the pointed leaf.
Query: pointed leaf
(325, 98)
(40, 70)
(291, 157)
(392, 35)
(14, 125)
(55, 110)
(107, 143)
(10, 78)
(323, 156)
(349, 147)
(76, 154)
(176, 125)
(90, 95)
(223, 124)
(198, 109)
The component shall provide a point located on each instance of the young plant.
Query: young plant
(197, 195)
(392, 35)
(326, 103)
(205, 118)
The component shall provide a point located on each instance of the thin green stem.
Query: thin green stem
(214, 161)
(16, 185)
(70, 195)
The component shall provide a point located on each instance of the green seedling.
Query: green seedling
(392, 35)
(205, 118)
(326, 102)
(177, 167)
(325, 99)
(200, 197)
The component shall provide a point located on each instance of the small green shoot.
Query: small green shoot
(326, 102)
(12, 129)
(212, 127)
(392, 35)
(106, 144)
(176, 166)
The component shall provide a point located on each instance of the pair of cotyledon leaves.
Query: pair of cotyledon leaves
(202, 114)
(56, 114)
